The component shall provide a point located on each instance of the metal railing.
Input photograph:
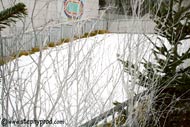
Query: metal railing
(27, 40)
(132, 26)
(118, 108)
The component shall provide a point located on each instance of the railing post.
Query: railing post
(107, 23)
(82, 26)
(49, 36)
(118, 25)
(1, 42)
(61, 32)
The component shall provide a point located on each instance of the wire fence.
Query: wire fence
(134, 26)
(28, 40)
(40, 37)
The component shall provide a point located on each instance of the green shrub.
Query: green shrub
(167, 59)
(167, 76)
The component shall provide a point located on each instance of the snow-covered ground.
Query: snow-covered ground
(77, 80)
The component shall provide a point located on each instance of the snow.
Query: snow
(83, 77)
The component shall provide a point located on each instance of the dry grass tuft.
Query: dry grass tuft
(23, 53)
(51, 44)
(76, 37)
(4, 60)
(93, 34)
(86, 35)
(35, 49)
(59, 43)
(65, 40)
(103, 31)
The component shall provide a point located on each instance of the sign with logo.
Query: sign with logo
(73, 8)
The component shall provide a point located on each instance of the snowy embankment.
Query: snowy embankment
(75, 81)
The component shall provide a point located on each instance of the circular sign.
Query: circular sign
(73, 8)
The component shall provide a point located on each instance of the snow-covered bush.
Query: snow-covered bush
(167, 76)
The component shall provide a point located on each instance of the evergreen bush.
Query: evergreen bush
(172, 77)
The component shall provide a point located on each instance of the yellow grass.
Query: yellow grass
(51, 44)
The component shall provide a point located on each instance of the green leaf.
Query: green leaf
(11, 14)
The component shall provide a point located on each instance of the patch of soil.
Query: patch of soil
(173, 105)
